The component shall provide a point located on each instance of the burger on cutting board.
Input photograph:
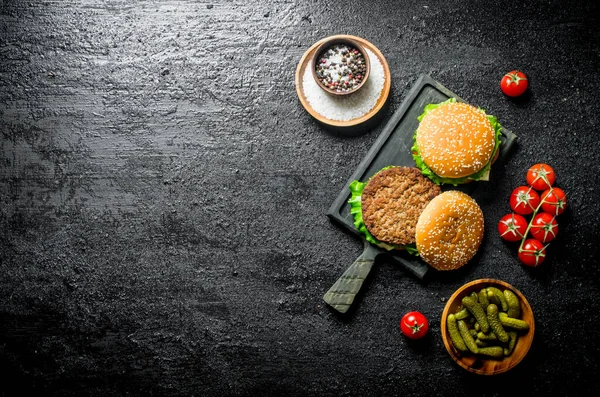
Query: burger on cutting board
(456, 143)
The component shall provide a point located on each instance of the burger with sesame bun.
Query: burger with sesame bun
(455, 142)
(449, 230)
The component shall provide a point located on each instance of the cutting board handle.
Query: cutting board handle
(341, 295)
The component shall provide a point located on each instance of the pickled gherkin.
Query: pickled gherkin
(492, 351)
(487, 337)
(467, 337)
(483, 298)
(455, 337)
(477, 311)
(511, 343)
(463, 314)
(495, 325)
(514, 307)
(500, 300)
(513, 323)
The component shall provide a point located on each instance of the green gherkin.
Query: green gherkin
(514, 306)
(494, 321)
(477, 311)
(511, 343)
(500, 300)
(462, 314)
(513, 323)
(455, 337)
(483, 299)
(467, 337)
(492, 351)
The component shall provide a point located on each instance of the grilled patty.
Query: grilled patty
(392, 202)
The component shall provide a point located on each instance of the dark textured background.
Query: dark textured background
(163, 197)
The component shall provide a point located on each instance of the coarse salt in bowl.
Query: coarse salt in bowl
(349, 107)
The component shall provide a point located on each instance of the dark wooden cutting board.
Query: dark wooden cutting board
(392, 147)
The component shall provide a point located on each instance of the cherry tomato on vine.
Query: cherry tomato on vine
(512, 227)
(554, 201)
(414, 325)
(524, 200)
(544, 227)
(533, 253)
(541, 176)
(514, 83)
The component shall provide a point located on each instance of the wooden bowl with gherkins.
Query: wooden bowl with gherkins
(487, 326)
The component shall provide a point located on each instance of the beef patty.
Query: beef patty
(392, 201)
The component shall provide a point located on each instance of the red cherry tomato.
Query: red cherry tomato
(514, 83)
(544, 227)
(414, 325)
(524, 200)
(541, 176)
(532, 253)
(554, 201)
(512, 227)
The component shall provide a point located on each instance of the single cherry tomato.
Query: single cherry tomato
(554, 201)
(414, 325)
(514, 83)
(533, 253)
(512, 227)
(541, 176)
(544, 227)
(524, 200)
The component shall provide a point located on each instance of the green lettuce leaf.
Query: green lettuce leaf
(355, 201)
(454, 181)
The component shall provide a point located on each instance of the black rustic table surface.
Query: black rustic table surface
(163, 198)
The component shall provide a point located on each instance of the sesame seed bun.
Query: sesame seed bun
(449, 230)
(455, 140)
(392, 201)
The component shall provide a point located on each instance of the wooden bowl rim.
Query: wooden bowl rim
(512, 361)
(324, 46)
(343, 123)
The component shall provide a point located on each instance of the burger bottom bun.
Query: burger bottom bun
(449, 230)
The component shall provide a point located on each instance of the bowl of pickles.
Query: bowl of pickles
(487, 326)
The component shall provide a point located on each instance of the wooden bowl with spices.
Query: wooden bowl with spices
(340, 66)
(496, 343)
